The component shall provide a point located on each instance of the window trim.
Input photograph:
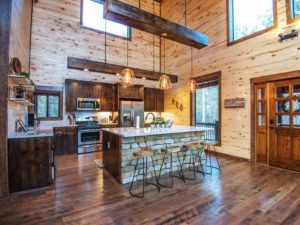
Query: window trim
(229, 11)
(289, 15)
(210, 79)
(100, 31)
(46, 90)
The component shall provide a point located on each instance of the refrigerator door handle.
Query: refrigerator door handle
(132, 116)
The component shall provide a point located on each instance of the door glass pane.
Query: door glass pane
(283, 92)
(53, 106)
(282, 106)
(261, 94)
(296, 106)
(283, 120)
(261, 107)
(41, 106)
(297, 120)
(261, 120)
(296, 90)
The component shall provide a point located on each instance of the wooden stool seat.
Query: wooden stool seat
(146, 152)
(171, 150)
(194, 145)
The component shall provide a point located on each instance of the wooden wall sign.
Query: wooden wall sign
(131, 16)
(235, 103)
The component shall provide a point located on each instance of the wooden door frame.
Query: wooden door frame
(253, 82)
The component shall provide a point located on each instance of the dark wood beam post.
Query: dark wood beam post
(5, 22)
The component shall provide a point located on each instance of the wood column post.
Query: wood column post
(5, 24)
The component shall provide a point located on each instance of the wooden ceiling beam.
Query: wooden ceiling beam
(131, 16)
(113, 69)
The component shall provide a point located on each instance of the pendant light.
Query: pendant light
(164, 82)
(127, 75)
(192, 82)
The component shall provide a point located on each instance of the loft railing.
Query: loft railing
(210, 135)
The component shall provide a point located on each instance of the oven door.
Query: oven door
(88, 104)
(89, 137)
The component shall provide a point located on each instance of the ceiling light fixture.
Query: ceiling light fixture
(192, 82)
(127, 75)
(164, 82)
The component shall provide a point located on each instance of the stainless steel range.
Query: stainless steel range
(89, 136)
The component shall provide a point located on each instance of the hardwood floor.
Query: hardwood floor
(85, 194)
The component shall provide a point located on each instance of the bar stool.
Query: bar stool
(199, 149)
(169, 152)
(143, 155)
(210, 147)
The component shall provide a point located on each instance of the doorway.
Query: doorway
(276, 111)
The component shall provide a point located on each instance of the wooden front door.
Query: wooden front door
(284, 124)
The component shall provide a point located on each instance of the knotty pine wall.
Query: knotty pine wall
(56, 34)
(259, 56)
(20, 48)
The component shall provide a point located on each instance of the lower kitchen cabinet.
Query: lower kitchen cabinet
(65, 140)
(30, 162)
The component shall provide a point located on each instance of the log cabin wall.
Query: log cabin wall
(258, 56)
(56, 34)
(19, 47)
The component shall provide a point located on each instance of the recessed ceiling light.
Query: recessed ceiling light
(144, 78)
(86, 69)
(117, 74)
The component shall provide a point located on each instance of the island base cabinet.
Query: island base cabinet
(30, 163)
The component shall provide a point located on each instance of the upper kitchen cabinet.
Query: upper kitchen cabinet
(108, 98)
(154, 100)
(130, 92)
(84, 89)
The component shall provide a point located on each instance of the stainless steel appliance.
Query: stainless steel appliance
(89, 136)
(130, 111)
(88, 104)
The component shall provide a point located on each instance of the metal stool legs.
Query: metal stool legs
(212, 152)
(145, 173)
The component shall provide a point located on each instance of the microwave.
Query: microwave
(88, 104)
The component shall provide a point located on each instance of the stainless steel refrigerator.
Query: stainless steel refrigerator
(129, 111)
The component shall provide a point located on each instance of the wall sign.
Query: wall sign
(235, 103)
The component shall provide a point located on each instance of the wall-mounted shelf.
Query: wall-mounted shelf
(21, 101)
(21, 80)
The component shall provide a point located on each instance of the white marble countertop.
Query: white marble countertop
(32, 134)
(139, 132)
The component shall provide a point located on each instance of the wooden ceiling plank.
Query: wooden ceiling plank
(101, 67)
(129, 15)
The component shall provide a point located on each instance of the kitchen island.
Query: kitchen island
(120, 143)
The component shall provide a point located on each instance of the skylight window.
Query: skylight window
(249, 17)
(92, 18)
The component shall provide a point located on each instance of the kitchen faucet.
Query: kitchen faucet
(150, 114)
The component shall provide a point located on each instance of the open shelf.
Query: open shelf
(21, 80)
(21, 101)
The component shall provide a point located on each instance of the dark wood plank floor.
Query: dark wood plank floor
(85, 194)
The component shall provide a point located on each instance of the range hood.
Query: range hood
(131, 16)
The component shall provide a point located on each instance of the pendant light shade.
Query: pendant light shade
(164, 82)
(127, 76)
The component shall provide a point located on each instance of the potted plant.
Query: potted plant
(20, 91)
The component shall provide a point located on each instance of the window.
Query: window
(92, 18)
(206, 110)
(248, 18)
(48, 104)
(293, 10)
